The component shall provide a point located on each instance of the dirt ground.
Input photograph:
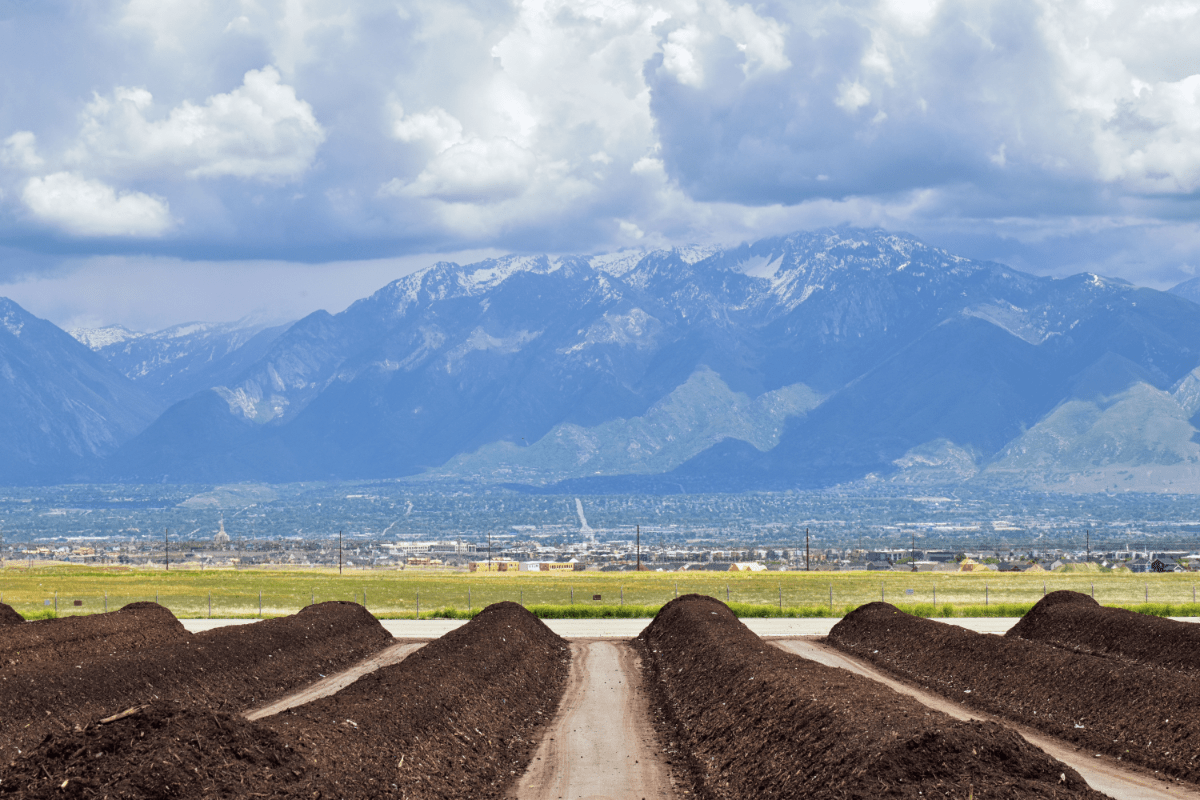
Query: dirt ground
(601, 744)
(70, 639)
(750, 721)
(1105, 774)
(1076, 622)
(1144, 714)
(228, 669)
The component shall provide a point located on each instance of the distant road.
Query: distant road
(628, 628)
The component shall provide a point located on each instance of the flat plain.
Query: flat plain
(193, 593)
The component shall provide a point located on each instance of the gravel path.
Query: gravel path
(1102, 774)
(601, 743)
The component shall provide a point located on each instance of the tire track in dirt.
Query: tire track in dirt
(1102, 774)
(601, 743)
(335, 683)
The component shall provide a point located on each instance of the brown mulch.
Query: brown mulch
(55, 641)
(751, 721)
(229, 669)
(1143, 714)
(1074, 621)
(458, 718)
(9, 615)
(162, 751)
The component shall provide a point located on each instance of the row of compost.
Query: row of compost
(743, 719)
(1105, 680)
(458, 718)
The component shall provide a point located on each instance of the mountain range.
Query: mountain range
(808, 360)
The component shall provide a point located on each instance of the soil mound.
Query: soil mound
(1081, 624)
(458, 718)
(51, 642)
(228, 668)
(161, 751)
(756, 722)
(9, 615)
(1134, 712)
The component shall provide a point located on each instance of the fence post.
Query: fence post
(985, 596)
(312, 597)
(1147, 592)
(831, 598)
(210, 605)
(622, 595)
(1043, 588)
(105, 602)
(676, 590)
(468, 598)
(727, 593)
(882, 595)
(56, 601)
(260, 603)
(781, 598)
(364, 597)
(522, 598)
(935, 598)
(572, 595)
(418, 603)
(1093, 591)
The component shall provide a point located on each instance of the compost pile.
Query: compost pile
(458, 718)
(756, 722)
(54, 641)
(228, 669)
(9, 616)
(164, 750)
(1137, 713)
(1074, 621)
(455, 719)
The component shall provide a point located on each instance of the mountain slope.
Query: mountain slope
(701, 367)
(62, 407)
(181, 360)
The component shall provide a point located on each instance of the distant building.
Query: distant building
(495, 565)
(747, 566)
(221, 540)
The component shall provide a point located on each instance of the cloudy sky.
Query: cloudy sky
(168, 160)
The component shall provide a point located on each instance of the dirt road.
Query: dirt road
(335, 683)
(1102, 774)
(601, 743)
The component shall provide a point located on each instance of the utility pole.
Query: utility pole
(806, 549)
(639, 548)
(339, 552)
(489, 551)
(1089, 544)
(914, 550)
(167, 549)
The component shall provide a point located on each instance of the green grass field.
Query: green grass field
(395, 594)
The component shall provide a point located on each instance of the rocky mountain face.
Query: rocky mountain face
(62, 407)
(800, 361)
(175, 363)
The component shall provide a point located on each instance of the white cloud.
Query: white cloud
(260, 130)
(434, 127)
(680, 56)
(853, 96)
(473, 171)
(90, 208)
(20, 151)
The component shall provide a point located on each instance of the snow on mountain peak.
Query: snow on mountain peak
(97, 338)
